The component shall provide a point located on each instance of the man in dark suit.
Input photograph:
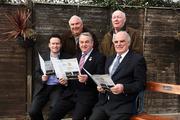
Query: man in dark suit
(48, 86)
(71, 37)
(85, 94)
(129, 77)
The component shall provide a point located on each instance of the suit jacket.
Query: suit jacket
(38, 83)
(131, 72)
(94, 64)
(86, 93)
(106, 47)
(69, 45)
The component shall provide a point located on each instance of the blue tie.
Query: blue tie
(116, 64)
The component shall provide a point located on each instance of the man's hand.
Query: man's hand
(100, 89)
(44, 77)
(82, 78)
(63, 81)
(117, 89)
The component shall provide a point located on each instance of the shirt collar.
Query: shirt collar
(123, 54)
(88, 53)
(57, 56)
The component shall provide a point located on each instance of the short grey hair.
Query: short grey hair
(87, 34)
(75, 17)
(126, 34)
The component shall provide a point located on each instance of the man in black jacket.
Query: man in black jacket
(128, 72)
(47, 86)
(85, 95)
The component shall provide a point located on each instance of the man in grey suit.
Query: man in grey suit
(129, 77)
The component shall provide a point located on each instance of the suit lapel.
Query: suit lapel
(109, 63)
(79, 57)
(89, 59)
(46, 57)
(123, 64)
(62, 55)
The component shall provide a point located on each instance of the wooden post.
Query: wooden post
(29, 64)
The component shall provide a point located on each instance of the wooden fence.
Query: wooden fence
(158, 27)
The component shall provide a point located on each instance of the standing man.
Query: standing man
(128, 72)
(85, 94)
(71, 37)
(47, 87)
(119, 24)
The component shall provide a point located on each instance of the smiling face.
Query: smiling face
(118, 20)
(85, 42)
(121, 42)
(55, 45)
(76, 25)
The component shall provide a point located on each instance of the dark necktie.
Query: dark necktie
(82, 61)
(116, 64)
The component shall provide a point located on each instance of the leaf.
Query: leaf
(19, 22)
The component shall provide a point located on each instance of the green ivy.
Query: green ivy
(143, 3)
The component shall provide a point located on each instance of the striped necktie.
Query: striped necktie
(82, 61)
(116, 64)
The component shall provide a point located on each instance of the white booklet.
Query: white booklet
(66, 68)
(104, 80)
(42, 64)
(63, 68)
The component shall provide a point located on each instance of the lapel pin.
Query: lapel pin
(90, 58)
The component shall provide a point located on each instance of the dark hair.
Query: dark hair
(55, 36)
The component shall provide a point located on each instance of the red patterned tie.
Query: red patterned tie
(82, 61)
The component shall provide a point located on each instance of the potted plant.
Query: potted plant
(21, 29)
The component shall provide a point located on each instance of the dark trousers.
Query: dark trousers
(48, 93)
(102, 113)
(79, 110)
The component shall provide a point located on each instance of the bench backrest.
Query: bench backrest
(156, 87)
(163, 87)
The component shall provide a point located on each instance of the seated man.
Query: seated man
(81, 94)
(128, 72)
(47, 87)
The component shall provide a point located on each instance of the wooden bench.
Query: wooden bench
(162, 88)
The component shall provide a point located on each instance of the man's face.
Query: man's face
(121, 43)
(76, 26)
(85, 43)
(55, 45)
(118, 20)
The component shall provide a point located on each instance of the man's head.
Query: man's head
(118, 19)
(55, 43)
(86, 42)
(122, 42)
(76, 25)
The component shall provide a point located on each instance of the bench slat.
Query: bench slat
(144, 116)
(163, 87)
